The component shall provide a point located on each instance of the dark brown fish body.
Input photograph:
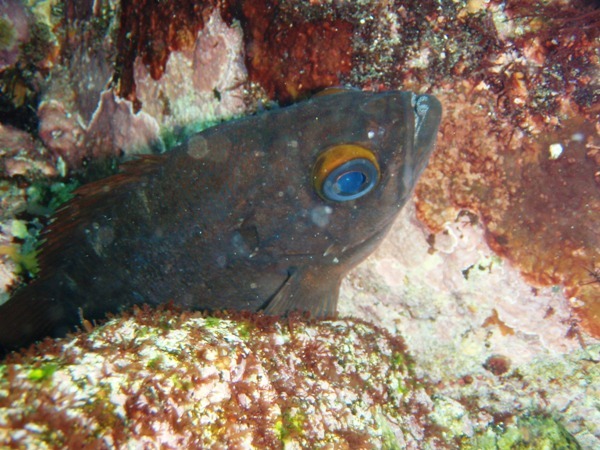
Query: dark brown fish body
(241, 216)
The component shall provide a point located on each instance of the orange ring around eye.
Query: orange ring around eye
(337, 156)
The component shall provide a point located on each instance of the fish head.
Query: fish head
(362, 154)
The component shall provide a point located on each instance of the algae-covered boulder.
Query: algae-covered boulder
(188, 381)
(171, 379)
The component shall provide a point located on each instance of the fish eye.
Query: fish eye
(345, 172)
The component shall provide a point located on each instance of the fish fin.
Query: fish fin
(89, 198)
(42, 307)
(129, 172)
(306, 290)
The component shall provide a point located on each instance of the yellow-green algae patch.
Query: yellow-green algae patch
(536, 432)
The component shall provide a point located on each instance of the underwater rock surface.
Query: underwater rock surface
(163, 378)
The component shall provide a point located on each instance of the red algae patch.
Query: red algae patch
(497, 364)
(151, 31)
(289, 53)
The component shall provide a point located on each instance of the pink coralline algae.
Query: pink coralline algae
(14, 31)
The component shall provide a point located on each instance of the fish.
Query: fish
(264, 213)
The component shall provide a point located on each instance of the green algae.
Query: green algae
(154, 363)
(42, 40)
(244, 331)
(45, 372)
(25, 259)
(527, 433)
(212, 322)
(290, 425)
(43, 198)
(389, 440)
(7, 34)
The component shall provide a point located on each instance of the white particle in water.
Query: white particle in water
(555, 150)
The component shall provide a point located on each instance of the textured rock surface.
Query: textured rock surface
(476, 329)
(158, 378)
(166, 379)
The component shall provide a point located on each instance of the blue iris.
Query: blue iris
(350, 180)
(349, 183)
